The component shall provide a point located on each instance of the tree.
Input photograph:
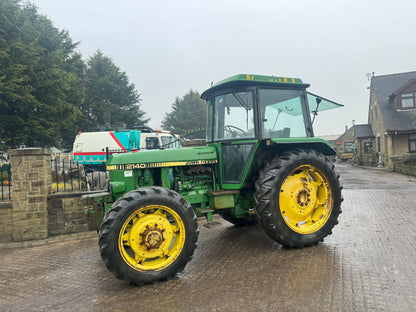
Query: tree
(188, 116)
(47, 92)
(35, 83)
(110, 98)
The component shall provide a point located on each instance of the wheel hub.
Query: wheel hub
(152, 237)
(303, 197)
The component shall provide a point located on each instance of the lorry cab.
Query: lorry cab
(158, 139)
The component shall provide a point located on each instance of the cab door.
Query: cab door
(234, 131)
(235, 158)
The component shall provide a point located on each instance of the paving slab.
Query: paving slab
(367, 264)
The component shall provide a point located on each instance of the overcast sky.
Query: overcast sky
(169, 47)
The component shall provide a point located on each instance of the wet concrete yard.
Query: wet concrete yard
(367, 264)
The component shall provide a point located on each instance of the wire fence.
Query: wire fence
(5, 182)
(69, 176)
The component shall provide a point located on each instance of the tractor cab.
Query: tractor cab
(245, 111)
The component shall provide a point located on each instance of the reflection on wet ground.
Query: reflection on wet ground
(368, 264)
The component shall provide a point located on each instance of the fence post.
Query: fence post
(31, 177)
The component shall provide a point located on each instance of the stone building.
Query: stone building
(344, 145)
(357, 144)
(392, 115)
(364, 138)
(391, 130)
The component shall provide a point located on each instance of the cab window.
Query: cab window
(283, 113)
(233, 116)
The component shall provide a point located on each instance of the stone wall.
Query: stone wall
(400, 144)
(408, 170)
(31, 178)
(6, 221)
(400, 166)
(33, 213)
(66, 214)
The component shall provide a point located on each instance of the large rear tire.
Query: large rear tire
(149, 235)
(298, 198)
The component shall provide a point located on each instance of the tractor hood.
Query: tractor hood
(163, 158)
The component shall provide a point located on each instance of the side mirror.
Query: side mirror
(315, 112)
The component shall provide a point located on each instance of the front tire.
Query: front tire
(298, 198)
(148, 235)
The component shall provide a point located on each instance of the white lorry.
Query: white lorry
(93, 148)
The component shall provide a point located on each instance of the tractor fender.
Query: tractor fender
(318, 145)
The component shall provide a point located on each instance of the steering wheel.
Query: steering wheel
(236, 132)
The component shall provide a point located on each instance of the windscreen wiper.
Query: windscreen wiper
(240, 100)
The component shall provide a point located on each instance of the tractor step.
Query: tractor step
(212, 224)
(203, 211)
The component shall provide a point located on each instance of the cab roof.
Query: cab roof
(249, 79)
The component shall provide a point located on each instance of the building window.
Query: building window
(368, 147)
(412, 143)
(406, 96)
(407, 101)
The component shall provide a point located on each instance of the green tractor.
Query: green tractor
(261, 164)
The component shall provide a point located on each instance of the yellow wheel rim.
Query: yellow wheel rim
(305, 200)
(152, 238)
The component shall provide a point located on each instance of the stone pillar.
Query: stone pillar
(31, 177)
(390, 149)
